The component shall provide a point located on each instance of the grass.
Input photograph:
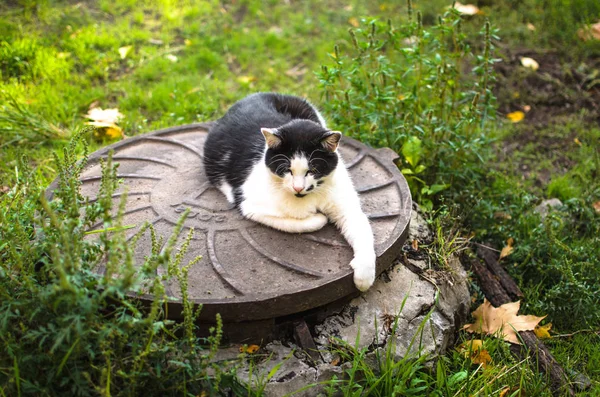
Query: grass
(188, 61)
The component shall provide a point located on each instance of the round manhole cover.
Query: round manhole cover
(248, 271)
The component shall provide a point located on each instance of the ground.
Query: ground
(164, 63)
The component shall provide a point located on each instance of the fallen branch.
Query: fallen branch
(496, 293)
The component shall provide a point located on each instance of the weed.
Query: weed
(407, 88)
(66, 329)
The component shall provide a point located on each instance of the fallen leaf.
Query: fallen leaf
(249, 349)
(502, 215)
(336, 360)
(577, 141)
(530, 63)
(354, 22)
(531, 26)
(246, 79)
(543, 331)
(526, 108)
(508, 248)
(504, 391)
(187, 42)
(124, 51)
(155, 41)
(105, 122)
(502, 322)
(4, 189)
(172, 58)
(296, 71)
(515, 117)
(596, 206)
(590, 32)
(109, 116)
(415, 245)
(466, 9)
(473, 349)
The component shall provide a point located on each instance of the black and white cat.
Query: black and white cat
(274, 158)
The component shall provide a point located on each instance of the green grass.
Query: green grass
(190, 60)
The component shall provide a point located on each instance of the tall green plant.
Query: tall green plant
(420, 90)
(64, 329)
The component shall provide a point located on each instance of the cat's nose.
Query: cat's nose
(298, 189)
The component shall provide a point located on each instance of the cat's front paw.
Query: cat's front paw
(364, 272)
(315, 222)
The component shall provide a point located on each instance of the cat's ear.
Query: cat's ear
(331, 141)
(272, 137)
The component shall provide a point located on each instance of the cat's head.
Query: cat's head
(301, 154)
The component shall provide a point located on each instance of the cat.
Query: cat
(273, 157)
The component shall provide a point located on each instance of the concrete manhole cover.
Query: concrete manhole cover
(248, 272)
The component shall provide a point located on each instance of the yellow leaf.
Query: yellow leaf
(577, 141)
(354, 22)
(246, 79)
(249, 349)
(466, 348)
(506, 251)
(502, 322)
(124, 51)
(481, 357)
(106, 131)
(515, 117)
(530, 63)
(187, 42)
(502, 215)
(466, 9)
(474, 350)
(504, 391)
(531, 26)
(543, 331)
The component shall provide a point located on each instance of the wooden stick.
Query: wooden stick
(492, 261)
(497, 295)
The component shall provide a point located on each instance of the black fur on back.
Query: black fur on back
(235, 143)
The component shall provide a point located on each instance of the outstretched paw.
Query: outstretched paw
(364, 272)
(315, 222)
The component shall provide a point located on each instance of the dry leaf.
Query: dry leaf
(504, 391)
(530, 63)
(530, 26)
(503, 321)
(466, 9)
(4, 189)
(109, 116)
(474, 350)
(543, 331)
(596, 206)
(336, 361)
(172, 58)
(577, 141)
(526, 108)
(502, 215)
(124, 51)
(515, 117)
(591, 32)
(296, 71)
(249, 349)
(415, 245)
(354, 22)
(508, 248)
(105, 122)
